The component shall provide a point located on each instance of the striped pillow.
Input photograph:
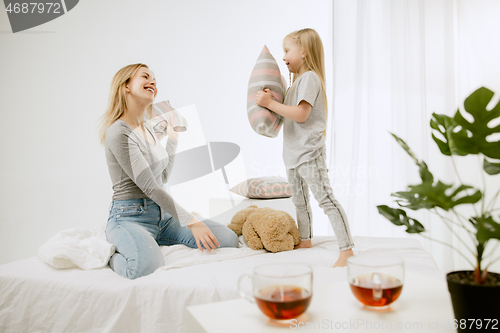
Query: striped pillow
(263, 188)
(265, 74)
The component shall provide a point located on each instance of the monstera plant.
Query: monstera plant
(457, 136)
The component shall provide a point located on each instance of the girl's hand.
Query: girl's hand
(203, 235)
(263, 98)
(171, 133)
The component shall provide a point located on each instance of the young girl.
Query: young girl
(142, 214)
(305, 113)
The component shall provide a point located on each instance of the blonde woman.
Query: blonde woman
(304, 131)
(142, 214)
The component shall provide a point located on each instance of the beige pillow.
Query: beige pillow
(263, 188)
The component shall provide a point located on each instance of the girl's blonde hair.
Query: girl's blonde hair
(310, 42)
(117, 101)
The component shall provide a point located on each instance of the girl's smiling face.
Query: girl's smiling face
(143, 85)
(293, 56)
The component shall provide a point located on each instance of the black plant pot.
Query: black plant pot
(474, 302)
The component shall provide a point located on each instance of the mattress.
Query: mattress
(35, 297)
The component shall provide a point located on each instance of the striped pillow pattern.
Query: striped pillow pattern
(263, 188)
(265, 74)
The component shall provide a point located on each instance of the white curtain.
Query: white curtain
(394, 64)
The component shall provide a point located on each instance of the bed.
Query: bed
(35, 297)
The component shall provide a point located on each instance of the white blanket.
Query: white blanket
(177, 256)
(84, 248)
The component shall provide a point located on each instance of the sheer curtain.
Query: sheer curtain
(394, 64)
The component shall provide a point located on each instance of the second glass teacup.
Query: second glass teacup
(282, 291)
(376, 280)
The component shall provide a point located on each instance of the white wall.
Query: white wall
(55, 81)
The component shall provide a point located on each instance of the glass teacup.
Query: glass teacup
(375, 280)
(281, 291)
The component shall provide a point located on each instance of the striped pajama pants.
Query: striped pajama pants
(314, 175)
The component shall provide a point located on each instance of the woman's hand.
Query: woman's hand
(171, 133)
(203, 235)
(159, 124)
(263, 98)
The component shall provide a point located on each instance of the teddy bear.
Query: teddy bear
(274, 230)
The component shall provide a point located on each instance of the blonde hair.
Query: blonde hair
(117, 101)
(310, 42)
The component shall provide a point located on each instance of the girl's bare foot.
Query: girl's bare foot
(303, 245)
(342, 261)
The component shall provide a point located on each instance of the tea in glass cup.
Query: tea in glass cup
(281, 291)
(375, 280)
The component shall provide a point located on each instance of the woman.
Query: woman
(142, 214)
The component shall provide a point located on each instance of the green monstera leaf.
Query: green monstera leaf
(491, 168)
(487, 228)
(423, 170)
(427, 196)
(473, 139)
(403, 144)
(398, 217)
(445, 125)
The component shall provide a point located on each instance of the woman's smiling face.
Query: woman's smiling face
(143, 85)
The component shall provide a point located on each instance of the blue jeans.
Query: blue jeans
(138, 226)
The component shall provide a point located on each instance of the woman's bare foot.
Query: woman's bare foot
(303, 245)
(342, 261)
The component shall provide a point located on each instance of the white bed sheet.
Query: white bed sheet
(35, 297)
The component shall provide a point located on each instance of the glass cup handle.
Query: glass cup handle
(377, 287)
(242, 293)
